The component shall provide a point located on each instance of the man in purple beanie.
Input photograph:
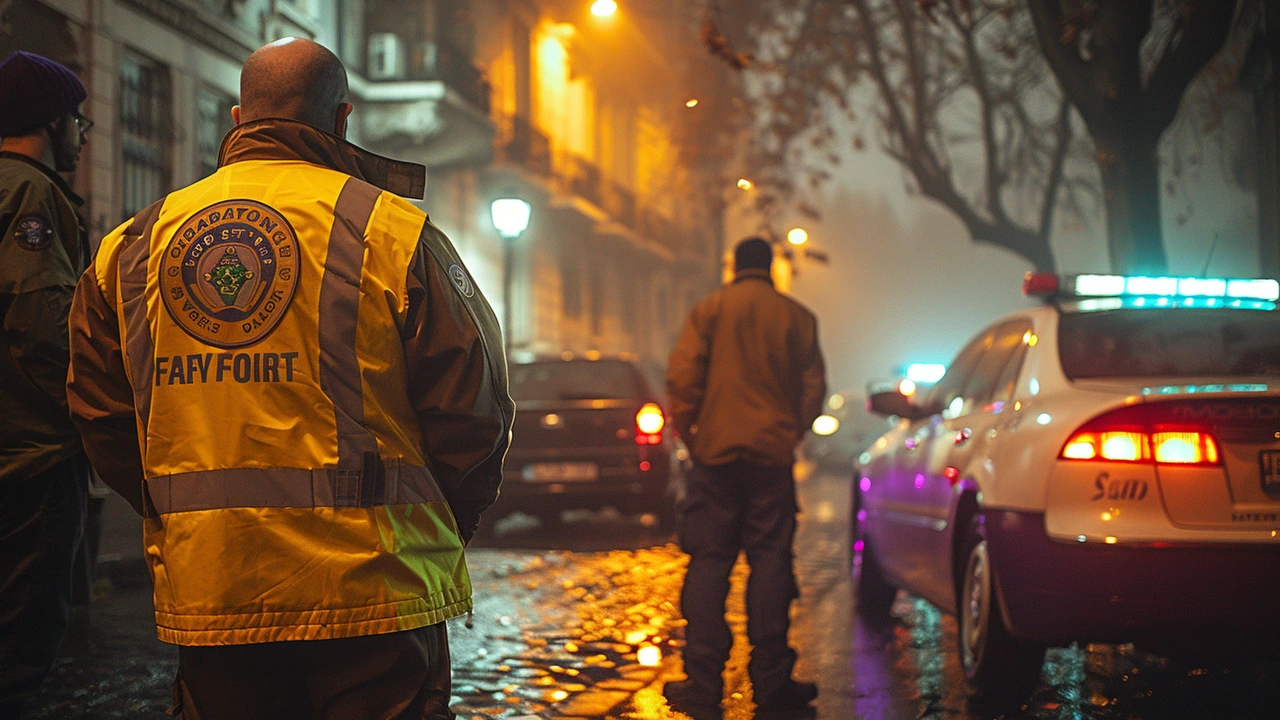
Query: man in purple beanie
(43, 472)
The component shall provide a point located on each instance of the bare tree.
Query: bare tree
(1125, 65)
(961, 99)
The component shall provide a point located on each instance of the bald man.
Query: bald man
(312, 424)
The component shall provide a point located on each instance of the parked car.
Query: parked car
(1102, 468)
(589, 434)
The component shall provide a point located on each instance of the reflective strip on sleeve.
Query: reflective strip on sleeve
(138, 343)
(340, 377)
(289, 487)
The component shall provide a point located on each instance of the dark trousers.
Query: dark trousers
(395, 676)
(728, 509)
(40, 523)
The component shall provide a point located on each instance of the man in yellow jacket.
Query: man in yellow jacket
(288, 371)
(745, 381)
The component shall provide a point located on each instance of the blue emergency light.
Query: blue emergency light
(925, 373)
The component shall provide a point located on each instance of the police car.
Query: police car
(1104, 467)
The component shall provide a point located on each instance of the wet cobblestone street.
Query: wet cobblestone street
(586, 626)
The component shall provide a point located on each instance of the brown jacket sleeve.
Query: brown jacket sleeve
(99, 393)
(813, 382)
(36, 284)
(687, 370)
(457, 379)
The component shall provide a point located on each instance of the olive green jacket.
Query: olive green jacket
(43, 249)
(746, 377)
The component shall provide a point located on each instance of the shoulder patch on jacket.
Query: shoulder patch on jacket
(462, 281)
(33, 232)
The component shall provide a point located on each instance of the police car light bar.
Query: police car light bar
(1094, 286)
(925, 372)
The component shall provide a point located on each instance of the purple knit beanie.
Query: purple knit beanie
(35, 91)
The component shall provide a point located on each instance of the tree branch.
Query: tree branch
(906, 18)
(897, 117)
(1076, 75)
(1204, 28)
(1056, 168)
(990, 148)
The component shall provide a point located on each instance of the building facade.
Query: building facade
(538, 99)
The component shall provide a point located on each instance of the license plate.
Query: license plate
(1269, 460)
(561, 472)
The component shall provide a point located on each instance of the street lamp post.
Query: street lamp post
(511, 218)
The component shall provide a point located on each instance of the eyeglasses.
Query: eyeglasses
(82, 123)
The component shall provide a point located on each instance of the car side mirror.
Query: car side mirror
(892, 402)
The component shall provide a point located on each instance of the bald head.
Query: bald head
(295, 79)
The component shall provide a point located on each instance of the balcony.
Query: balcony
(583, 178)
(619, 202)
(525, 146)
(428, 104)
(438, 62)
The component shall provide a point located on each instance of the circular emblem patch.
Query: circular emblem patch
(230, 272)
(461, 281)
(33, 232)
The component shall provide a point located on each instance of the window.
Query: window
(1000, 346)
(146, 142)
(1173, 342)
(1008, 381)
(213, 120)
(951, 386)
(597, 304)
(577, 380)
(571, 280)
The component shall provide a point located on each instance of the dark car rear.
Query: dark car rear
(584, 439)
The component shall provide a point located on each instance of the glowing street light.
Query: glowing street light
(511, 218)
(691, 102)
(797, 236)
(745, 184)
(604, 8)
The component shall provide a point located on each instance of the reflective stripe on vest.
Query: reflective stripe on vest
(339, 304)
(286, 487)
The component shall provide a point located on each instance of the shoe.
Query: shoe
(794, 697)
(692, 700)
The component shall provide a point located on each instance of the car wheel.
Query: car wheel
(999, 667)
(875, 593)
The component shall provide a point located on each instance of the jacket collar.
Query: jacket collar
(54, 177)
(753, 274)
(280, 139)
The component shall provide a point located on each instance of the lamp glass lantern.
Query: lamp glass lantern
(510, 216)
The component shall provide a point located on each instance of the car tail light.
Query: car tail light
(1185, 448)
(1113, 445)
(1131, 435)
(649, 424)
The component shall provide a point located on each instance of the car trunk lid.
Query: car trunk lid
(1244, 492)
(574, 424)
